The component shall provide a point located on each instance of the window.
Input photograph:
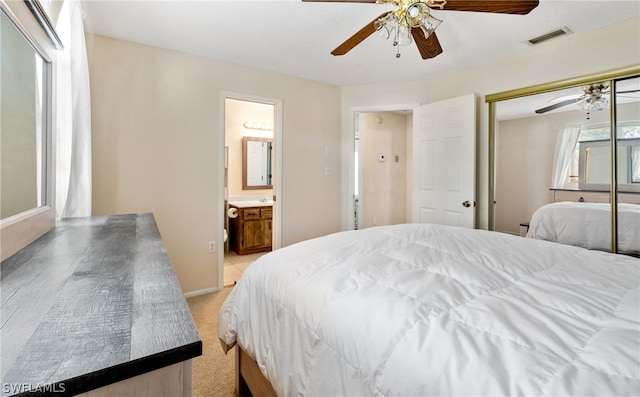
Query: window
(23, 123)
(591, 161)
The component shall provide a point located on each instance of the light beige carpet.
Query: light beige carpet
(213, 372)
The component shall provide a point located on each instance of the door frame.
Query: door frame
(220, 163)
(348, 215)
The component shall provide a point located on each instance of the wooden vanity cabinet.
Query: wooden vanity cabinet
(251, 231)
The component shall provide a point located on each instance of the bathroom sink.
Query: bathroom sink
(251, 203)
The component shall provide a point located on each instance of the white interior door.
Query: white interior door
(444, 162)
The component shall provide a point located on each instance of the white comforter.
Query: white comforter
(415, 310)
(587, 225)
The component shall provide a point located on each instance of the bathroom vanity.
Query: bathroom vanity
(252, 230)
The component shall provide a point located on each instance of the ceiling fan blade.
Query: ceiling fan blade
(357, 38)
(565, 97)
(520, 7)
(627, 92)
(429, 47)
(556, 106)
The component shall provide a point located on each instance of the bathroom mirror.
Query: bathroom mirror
(23, 93)
(256, 163)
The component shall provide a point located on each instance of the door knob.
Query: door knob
(466, 204)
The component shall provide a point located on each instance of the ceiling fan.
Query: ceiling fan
(412, 21)
(595, 97)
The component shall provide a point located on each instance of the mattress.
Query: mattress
(417, 310)
(587, 225)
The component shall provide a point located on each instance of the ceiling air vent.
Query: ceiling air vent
(549, 36)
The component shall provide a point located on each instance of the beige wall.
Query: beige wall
(382, 201)
(616, 46)
(524, 162)
(157, 132)
(236, 113)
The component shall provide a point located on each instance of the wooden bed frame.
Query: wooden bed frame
(249, 379)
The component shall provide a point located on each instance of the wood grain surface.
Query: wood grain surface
(93, 302)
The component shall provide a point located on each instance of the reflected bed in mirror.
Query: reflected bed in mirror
(256, 163)
(587, 225)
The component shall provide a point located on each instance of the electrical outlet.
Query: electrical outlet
(212, 247)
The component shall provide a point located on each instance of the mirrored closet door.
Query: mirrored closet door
(551, 152)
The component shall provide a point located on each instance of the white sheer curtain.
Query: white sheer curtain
(565, 147)
(73, 116)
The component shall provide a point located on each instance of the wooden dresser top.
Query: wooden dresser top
(92, 302)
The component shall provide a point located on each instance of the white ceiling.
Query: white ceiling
(296, 38)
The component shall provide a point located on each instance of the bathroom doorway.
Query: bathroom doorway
(251, 182)
(381, 162)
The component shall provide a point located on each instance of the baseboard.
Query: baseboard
(201, 292)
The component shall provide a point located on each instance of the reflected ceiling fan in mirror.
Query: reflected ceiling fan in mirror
(595, 98)
(412, 21)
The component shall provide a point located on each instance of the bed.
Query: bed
(423, 309)
(587, 225)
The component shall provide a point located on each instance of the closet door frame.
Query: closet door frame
(611, 76)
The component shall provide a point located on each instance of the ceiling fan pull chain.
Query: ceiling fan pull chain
(396, 41)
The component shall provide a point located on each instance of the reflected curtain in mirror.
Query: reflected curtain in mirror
(565, 146)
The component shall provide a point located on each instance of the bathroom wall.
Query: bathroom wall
(237, 112)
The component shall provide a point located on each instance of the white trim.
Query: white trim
(201, 292)
(277, 136)
(21, 230)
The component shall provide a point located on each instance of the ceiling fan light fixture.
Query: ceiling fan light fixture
(409, 15)
(415, 13)
(386, 25)
(593, 104)
(595, 98)
(404, 36)
(429, 24)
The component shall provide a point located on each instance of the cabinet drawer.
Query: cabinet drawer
(266, 213)
(251, 213)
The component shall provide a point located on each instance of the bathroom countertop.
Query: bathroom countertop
(250, 203)
(93, 302)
